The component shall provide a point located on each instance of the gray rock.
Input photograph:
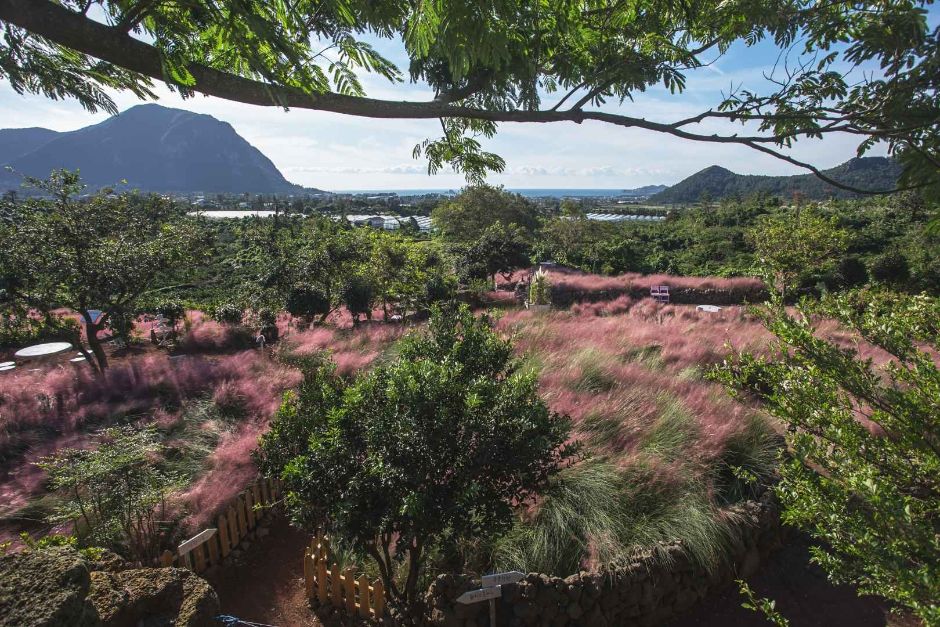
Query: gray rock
(174, 595)
(574, 610)
(45, 588)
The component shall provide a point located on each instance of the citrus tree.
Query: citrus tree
(867, 70)
(437, 447)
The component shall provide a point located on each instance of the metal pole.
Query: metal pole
(492, 612)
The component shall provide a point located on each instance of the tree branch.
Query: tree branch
(73, 30)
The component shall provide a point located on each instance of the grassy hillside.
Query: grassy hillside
(715, 182)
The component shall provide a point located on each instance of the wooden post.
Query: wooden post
(364, 604)
(256, 498)
(265, 492)
(224, 543)
(233, 536)
(199, 562)
(212, 546)
(309, 570)
(249, 509)
(336, 586)
(321, 581)
(242, 523)
(349, 581)
(378, 598)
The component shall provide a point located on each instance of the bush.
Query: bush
(540, 290)
(172, 310)
(307, 301)
(228, 313)
(114, 491)
(432, 451)
(890, 267)
(359, 296)
(864, 439)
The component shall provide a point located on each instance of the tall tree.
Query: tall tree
(547, 61)
(100, 253)
(465, 217)
(794, 243)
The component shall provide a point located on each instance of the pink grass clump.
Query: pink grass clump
(231, 469)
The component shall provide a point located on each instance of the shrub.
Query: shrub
(172, 310)
(114, 491)
(307, 301)
(864, 439)
(228, 313)
(429, 452)
(890, 267)
(359, 296)
(540, 290)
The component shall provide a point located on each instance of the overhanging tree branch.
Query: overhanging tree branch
(113, 44)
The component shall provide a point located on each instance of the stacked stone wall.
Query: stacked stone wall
(654, 587)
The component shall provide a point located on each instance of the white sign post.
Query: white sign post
(195, 541)
(492, 589)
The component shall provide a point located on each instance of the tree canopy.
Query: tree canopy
(864, 438)
(864, 69)
(101, 254)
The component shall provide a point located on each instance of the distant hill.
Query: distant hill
(15, 142)
(153, 148)
(716, 182)
(646, 190)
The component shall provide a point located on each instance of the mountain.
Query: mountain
(646, 190)
(15, 142)
(715, 182)
(153, 148)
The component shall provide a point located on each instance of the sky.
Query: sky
(337, 152)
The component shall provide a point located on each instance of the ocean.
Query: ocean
(527, 192)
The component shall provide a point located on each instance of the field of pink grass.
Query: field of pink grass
(63, 405)
(647, 355)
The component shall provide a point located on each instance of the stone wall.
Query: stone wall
(646, 592)
(678, 295)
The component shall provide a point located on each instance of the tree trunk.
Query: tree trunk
(91, 333)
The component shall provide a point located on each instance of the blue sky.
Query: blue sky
(336, 152)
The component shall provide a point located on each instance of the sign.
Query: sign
(94, 315)
(196, 540)
(483, 594)
(499, 579)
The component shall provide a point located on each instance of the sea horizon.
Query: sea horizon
(532, 192)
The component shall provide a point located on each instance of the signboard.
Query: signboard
(483, 594)
(499, 579)
(196, 540)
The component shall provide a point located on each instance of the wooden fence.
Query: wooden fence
(209, 547)
(327, 584)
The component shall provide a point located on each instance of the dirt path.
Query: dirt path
(802, 593)
(266, 586)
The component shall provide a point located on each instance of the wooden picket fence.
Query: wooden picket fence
(327, 584)
(209, 547)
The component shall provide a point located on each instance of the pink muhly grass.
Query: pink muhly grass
(231, 468)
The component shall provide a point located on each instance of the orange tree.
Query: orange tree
(433, 450)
